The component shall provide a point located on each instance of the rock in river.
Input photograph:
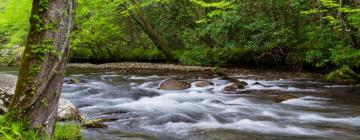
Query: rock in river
(73, 81)
(94, 123)
(284, 97)
(203, 83)
(233, 87)
(171, 84)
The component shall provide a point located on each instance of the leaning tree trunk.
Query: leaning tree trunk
(151, 32)
(42, 69)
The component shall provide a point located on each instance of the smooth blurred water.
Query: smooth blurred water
(139, 110)
(321, 111)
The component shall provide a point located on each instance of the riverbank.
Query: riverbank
(166, 68)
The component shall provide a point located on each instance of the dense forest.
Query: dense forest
(41, 36)
(319, 35)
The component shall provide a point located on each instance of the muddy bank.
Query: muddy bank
(159, 67)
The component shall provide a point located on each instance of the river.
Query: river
(139, 110)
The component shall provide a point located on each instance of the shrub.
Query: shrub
(204, 56)
(343, 75)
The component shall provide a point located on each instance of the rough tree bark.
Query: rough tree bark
(42, 68)
(151, 32)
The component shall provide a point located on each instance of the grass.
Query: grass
(68, 131)
(20, 131)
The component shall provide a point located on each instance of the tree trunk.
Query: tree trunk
(347, 27)
(151, 32)
(42, 69)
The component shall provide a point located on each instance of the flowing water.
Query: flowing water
(139, 110)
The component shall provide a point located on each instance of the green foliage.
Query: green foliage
(15, 130)
(343, 75)
(322, 35)
(20, 131)
(203, 56)
(68, 131)
(14, 25)
(14, 22)
(346, 56)
(95, 28)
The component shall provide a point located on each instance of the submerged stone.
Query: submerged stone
(284, 97)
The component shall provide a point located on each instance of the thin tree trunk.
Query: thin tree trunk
(151, 32)
(347, 27)
(42, 69)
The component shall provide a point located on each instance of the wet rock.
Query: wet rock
(224, 76)
(4, 101)
(73, 81)
(233, 87)
(203, 83)
(109, 119)
(257, 83)
(217, 101)
(114, 112)
(242, 83)
(94, 123)
(68, 111)
(284, 97)
(171, 84)
(234, 80)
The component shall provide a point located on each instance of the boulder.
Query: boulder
(284, 97)
(7, 88)
(171, 84)
(66, 109)
(4, 101)
(73, 81)
(233, 87)
(203, 83)
(8, 83)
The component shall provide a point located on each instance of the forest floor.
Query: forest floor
(169, 68)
